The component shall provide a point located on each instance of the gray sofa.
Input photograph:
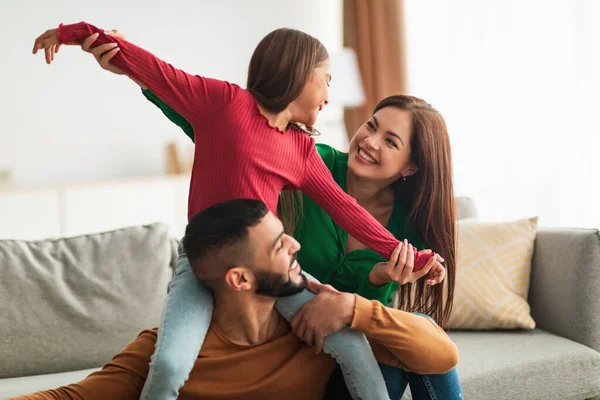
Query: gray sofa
(68, 305)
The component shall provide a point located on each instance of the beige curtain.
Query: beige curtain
(375, 30)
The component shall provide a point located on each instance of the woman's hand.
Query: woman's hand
(400, 268)
(104, 52)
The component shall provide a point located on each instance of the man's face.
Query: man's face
(276, 270)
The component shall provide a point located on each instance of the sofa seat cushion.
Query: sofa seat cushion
(11, 387)
(525, 365)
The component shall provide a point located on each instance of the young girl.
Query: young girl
(248, 145)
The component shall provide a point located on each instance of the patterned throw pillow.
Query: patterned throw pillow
(492, 277)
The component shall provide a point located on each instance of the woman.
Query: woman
(252, 140)
(399, 168)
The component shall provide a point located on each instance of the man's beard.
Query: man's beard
(276, 285)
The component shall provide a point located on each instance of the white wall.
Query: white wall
(76, 209)
(518, 83)
(72, 121)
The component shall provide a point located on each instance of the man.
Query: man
(239, 250)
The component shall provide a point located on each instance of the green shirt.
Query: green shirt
(323, 253)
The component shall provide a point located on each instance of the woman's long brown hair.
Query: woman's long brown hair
(279, 69)
(430, 196)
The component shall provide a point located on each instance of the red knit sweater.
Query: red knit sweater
(238, 154)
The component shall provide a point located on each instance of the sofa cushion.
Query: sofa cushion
(492, 274)
(525, 365)
(71, 304)
(12, 387)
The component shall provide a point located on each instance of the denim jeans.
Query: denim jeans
(185, 320)
(422, 387)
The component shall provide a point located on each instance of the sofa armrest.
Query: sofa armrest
(565, 284)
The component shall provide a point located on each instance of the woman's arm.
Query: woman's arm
(320, 186)
(191, 96)
(382, 294)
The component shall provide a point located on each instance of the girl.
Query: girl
(254, 142)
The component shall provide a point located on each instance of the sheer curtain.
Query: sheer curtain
(518, 83)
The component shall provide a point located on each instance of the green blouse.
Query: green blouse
(323, 253)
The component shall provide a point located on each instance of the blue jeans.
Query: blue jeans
(422, 387)
(185, 321)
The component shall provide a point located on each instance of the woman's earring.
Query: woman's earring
(403, 177)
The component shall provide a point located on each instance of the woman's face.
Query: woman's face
(314, 95)
(380, 149)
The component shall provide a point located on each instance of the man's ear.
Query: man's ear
(239, 278)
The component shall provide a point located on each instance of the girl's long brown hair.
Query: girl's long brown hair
(430, 196)
(279, 69)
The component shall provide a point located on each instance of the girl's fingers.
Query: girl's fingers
(437, 276)
(39, 41)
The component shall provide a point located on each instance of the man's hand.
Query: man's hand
(327, 313)
(400, 268)
(104, 52)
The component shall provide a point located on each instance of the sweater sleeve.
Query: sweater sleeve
(405, 340)
(319, 185)
(191, 96)
(170, 113)
(123, 378)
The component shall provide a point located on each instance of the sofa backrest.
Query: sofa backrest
(70, 304)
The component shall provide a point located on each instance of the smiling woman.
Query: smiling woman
(381, 138)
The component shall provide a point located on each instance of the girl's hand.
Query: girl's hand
(436, 274)
(49, 42)
(400, 268)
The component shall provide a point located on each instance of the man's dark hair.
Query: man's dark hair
(220, 226)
